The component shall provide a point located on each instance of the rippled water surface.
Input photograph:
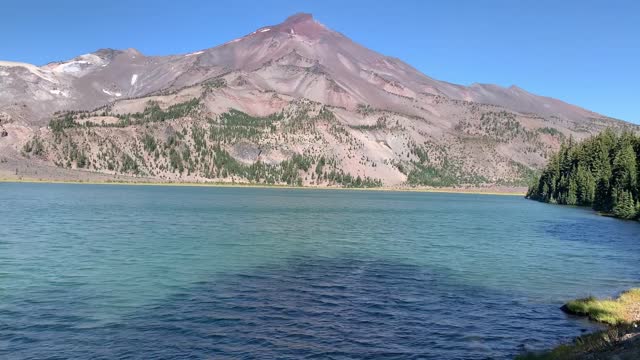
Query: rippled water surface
(136, 272)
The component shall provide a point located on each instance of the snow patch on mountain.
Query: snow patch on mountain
(59, 92)
(77, 65)
(31, 68)
(71, 67)
(111, 93)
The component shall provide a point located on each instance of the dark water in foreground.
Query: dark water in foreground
(175, 272)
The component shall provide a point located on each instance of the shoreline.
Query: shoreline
(621, 339)
(469, 191)
(589, 207)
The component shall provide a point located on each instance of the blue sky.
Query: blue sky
(584, 52)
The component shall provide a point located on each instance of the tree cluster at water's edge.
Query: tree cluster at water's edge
(601, 172)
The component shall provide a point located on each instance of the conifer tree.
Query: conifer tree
(602, 172)
(625, 206)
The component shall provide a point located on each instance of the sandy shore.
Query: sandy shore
(137, 182)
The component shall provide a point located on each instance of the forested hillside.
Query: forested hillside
(601, 172)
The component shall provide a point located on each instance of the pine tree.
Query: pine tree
(586, 186)
(602, 201)
(572, 197)
(602, 172)
(625, 168)
(625, 207)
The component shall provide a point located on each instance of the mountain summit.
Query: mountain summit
(372, 115)
(357, 73)
(302, 24)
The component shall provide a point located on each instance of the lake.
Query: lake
(146, 272)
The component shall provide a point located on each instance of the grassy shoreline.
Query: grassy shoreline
(471, 191)
(620, 341)
(624, 309)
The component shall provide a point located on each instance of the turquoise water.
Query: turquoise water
(181, 272)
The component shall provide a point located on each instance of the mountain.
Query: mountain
(290, 103)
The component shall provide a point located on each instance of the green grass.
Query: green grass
(615, 312)
(608, 311)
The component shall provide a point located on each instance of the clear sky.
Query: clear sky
(584, 52)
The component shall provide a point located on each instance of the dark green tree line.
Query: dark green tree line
(601, 172)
